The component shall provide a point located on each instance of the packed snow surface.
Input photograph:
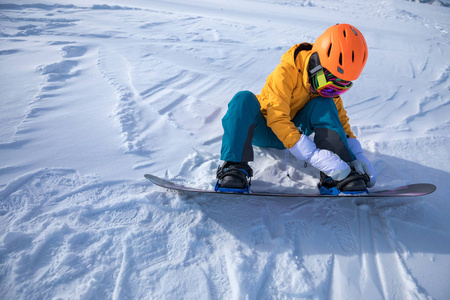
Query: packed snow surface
(94, 94)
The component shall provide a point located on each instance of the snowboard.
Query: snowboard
(411, 190)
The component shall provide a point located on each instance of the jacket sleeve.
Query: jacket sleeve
(343, 116)
(280, 86)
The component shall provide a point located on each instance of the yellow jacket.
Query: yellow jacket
(287, 90)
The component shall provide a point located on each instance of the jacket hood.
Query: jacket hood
(298, 57)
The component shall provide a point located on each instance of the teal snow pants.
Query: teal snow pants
(244, 125)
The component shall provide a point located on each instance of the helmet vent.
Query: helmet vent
(345, 33)
(353, 56)
(340, 58)
(329, 50)
(354, 31)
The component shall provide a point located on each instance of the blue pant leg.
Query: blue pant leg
(238, 125)
(244, 125)
(320, 116)
(264, 136)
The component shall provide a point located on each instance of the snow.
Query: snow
(96, 93)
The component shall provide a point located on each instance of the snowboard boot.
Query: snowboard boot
(234, 177)
(355, 183)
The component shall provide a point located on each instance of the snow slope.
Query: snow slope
(95, 94)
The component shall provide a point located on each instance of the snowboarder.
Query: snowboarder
(300, 97)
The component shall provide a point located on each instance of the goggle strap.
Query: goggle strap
(321, 80)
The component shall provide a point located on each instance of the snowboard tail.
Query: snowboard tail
(411, 190)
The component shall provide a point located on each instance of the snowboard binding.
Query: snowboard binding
(234, 178)
(354, 184)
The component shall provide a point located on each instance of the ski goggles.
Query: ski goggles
(327, 85)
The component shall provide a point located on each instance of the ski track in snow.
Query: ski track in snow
(112, 91)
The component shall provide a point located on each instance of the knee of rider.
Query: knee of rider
(248, 100)
(324, 103)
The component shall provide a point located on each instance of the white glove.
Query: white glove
(324, 160)
(361, 165)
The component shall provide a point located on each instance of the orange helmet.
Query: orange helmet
(342, 50)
